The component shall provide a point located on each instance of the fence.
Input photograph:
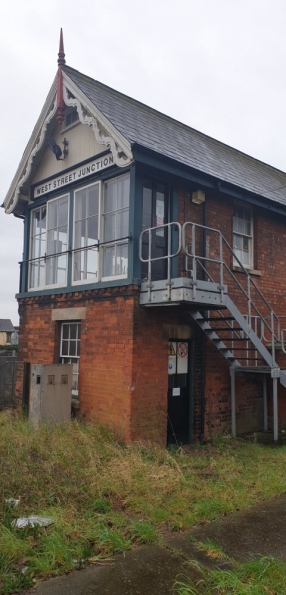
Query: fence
(8, 365)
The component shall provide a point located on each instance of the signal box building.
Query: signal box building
(153, 262)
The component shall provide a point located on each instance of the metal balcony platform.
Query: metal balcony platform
(182, 290)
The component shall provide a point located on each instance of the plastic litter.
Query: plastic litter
(24, 569)
(12, 502)
(32, 521)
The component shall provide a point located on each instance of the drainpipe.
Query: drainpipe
(203, 373)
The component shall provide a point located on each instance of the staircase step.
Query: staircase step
(246, 339)
(218, 318)
(253, 359)
(226, 329)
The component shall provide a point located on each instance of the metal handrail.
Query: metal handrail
(170, 253)
(251, 285)
(269, 322)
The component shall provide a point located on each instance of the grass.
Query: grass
(257, 577)
(105, 497)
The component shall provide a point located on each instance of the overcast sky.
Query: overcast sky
(216, 65)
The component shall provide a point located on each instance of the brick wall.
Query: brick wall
(124, 348)
(269, 262)
(106, 349)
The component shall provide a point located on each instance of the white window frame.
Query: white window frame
(100, 276)
(66, 358)
(66, 126)
(31, 257)
(96, 277)
(243, 234)
(113, 242)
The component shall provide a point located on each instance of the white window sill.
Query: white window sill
(250, 271)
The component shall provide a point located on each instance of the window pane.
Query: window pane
(65, 331)
(61, 269)
(36, 224)
(51, 271)
(121, 259)
(109, 227)
(35, 247)
(33, 275)
(65, 348)
(72, 348)
(92, 230)
(76, 266)
(52, 246)
(78, 234)
(63, 211)
(108, 261)
(43, 218)
(122, 224)
(93, 193)
(80, 205)
(52, 214)
(62, 239)
(110, 202)
(73, 331)
(43, 244)
(160, 213)
(123, 192)
(41, 269)
(92, 263)
(147, 208)
(238, 241)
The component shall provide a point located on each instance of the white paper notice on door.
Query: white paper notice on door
(176, 392)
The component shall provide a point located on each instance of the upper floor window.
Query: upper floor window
(243, 235)
(48, 244)
(98, 248)
(86, 233)
(115, 220)
(101, 220)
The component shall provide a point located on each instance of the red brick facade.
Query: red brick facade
(124, 347)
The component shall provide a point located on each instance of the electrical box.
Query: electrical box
(50, 393)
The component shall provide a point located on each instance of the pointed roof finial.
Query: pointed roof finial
(60, 100)
(61, 58)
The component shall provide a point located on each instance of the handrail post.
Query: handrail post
(221, 264)
(249, 301)
(149, 264)
(193, 248)
(169, 259)
(272, 338)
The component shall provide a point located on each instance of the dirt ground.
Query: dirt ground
(257, 531)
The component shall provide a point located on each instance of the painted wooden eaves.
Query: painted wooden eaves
(89, 114)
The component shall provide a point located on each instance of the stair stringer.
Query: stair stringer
(242, 322)
(212, 335)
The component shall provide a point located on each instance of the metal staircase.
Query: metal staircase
(204, 274)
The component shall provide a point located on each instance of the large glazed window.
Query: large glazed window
(115, 218)
(48, 244)
(86, 234)
(80, 241)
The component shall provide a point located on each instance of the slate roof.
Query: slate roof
(149, 128)
(6, 326)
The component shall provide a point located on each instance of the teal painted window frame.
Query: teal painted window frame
(69, 287)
